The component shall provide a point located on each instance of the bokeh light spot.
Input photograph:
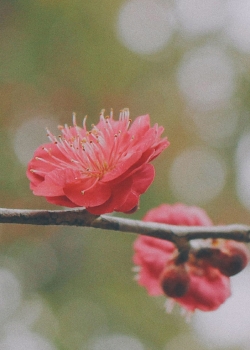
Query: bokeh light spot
(10, 294)
(114, 342)
(200, 17)
(243, 170)
(25, 340)
(216, 127)
(238, 25)
(145, 26)
(229, 325)
(197, 176)
(206, 77)
(30, 135)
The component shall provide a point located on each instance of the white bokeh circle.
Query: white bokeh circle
(31, 134)
(229, 325)
(197, 175)
(206, 77)
(115, 342)
(144, 26)
(10, 294)
(238, 25)
(200, 17)
(242, 163)
(25, 340)
(216, 127)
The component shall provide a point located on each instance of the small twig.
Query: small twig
(80, 217)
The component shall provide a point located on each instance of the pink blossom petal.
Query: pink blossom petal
(164, 143)
(205, 293)
(61, 200)
(152, 255)
(131, 202)
(151, 137)
(35, 179)
(143, 178)
(95, 196)
(126, 162)
(147, 141)
(154, 248)
(150, 280)
(140, 125)
(138, 167)
(55, 181)
(120, 193)
(46, 158)
(178, 214)
(48, 189)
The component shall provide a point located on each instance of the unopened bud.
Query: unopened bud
(235, 259)
(229, 260)
(230, 265)
(207, 253)
(175, 281)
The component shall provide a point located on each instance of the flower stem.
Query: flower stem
(81, 217)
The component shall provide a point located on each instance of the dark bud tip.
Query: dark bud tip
(229, 260)
(231, 265)
(207, 253)
(175, 281)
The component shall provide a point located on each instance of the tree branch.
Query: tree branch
(80, 217)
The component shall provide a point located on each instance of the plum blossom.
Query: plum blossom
(198, 281)
(105, 169)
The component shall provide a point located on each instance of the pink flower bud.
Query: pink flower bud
(175, 281)
(230, 265)
(231, 258)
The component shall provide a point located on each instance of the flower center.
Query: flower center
(92, 153)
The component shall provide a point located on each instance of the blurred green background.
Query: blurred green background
(187, 64)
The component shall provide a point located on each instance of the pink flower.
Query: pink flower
(104, 170)
(201, 281)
